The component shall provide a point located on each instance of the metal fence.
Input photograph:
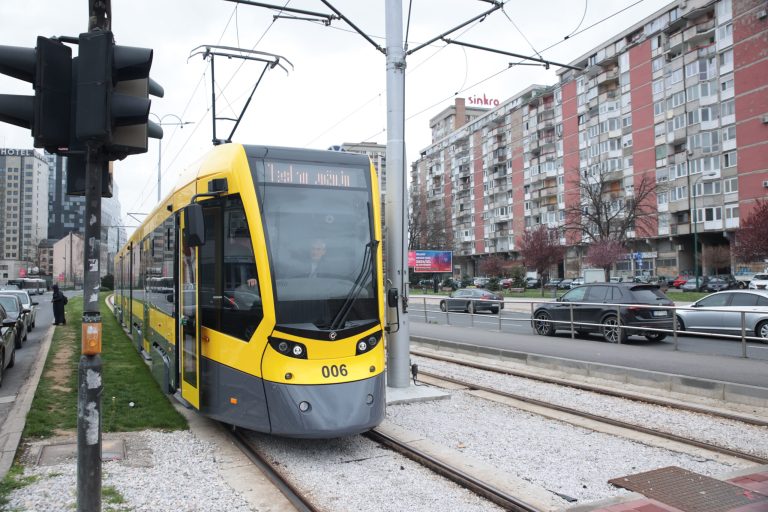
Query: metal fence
(430, 309)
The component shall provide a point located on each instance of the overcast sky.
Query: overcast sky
(336, 91)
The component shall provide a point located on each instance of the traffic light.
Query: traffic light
(112, 103)
(49, 68)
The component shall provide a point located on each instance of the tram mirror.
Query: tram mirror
(194, 229)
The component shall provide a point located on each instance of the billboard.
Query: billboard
(431, 261)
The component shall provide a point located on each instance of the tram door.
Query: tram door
(189, 326)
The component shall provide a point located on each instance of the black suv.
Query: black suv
(595, 308)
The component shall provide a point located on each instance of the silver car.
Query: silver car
(29, 306)
(720, 313)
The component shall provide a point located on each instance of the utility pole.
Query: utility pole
(399, 346)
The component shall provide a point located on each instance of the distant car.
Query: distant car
(719, 284)
(617, 279)
(553, 283)
(577, 282)
(565, 284)
(720, 313)
(7, 342)
(532, 282)
(29, 305)
(15, 311)
(594, 309)
(759, 282)
(680, 281)
(472, 300)
(480, 281)
(690, 285)
(507, 283)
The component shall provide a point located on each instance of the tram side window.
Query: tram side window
(230, 297)
(160, 270)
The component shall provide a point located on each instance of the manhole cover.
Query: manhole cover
(52, 454)
(689, 491)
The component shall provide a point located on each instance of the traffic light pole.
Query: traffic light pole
(90, 383)
(90, 374)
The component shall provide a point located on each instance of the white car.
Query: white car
(759, 282)
(28, 304)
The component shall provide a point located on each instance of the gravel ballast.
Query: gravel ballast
(179, 471)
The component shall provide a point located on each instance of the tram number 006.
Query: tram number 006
(334, 371)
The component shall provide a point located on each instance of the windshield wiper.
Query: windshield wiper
(341, 317)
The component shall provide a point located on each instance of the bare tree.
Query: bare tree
(427, 228)
(606, 211)
(604, 253)
(540, 249)
(752, 237)
(493, 265)
(717, 257)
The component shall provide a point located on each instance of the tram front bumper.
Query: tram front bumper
(327, 410)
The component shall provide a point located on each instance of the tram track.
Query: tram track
(456, 475)
(606, 420)
(637, 397)
(292, 494)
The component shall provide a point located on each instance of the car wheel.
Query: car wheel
(612, 331)
(471, 308)
(542, 324)
(680, 324)
(13, 359)
(443, 306)
(762, 331)
(656, 336)
(495, 310)
(17, 341)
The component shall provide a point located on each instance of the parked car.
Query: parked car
(532, 282)
(7, 342)
(577, 282)
(720, 313)
(594, 310)
(507, 283)
(480, 281)
(565, 284)
(680, 280)
(15, 311)
(472, 300)
(690, 284)
(30, 307)
(553, 283)
(759, 282)
(721, 283)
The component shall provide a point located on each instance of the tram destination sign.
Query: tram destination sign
(317, 175)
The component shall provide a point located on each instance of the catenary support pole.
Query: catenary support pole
(398, 349)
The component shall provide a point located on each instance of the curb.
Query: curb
(14, 424)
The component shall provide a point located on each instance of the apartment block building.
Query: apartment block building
(678, 101)
(23, 210)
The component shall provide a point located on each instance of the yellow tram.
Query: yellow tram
(255, 289)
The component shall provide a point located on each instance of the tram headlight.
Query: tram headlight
(289, 348)
(367, 344)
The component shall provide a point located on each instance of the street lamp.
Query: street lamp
(706, 176)
(160, 122)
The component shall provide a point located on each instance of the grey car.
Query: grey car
(720, 313)
(29, 305)
(15, 311)
(7, 342)
(471, 300)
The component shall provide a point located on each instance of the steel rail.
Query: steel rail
(289, 491)
(603, 419)
(491, 493)
(598, 389)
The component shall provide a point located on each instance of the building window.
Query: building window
(729, 159)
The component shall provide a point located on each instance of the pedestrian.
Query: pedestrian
(59, 300)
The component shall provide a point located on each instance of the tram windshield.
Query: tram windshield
(319, 237)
